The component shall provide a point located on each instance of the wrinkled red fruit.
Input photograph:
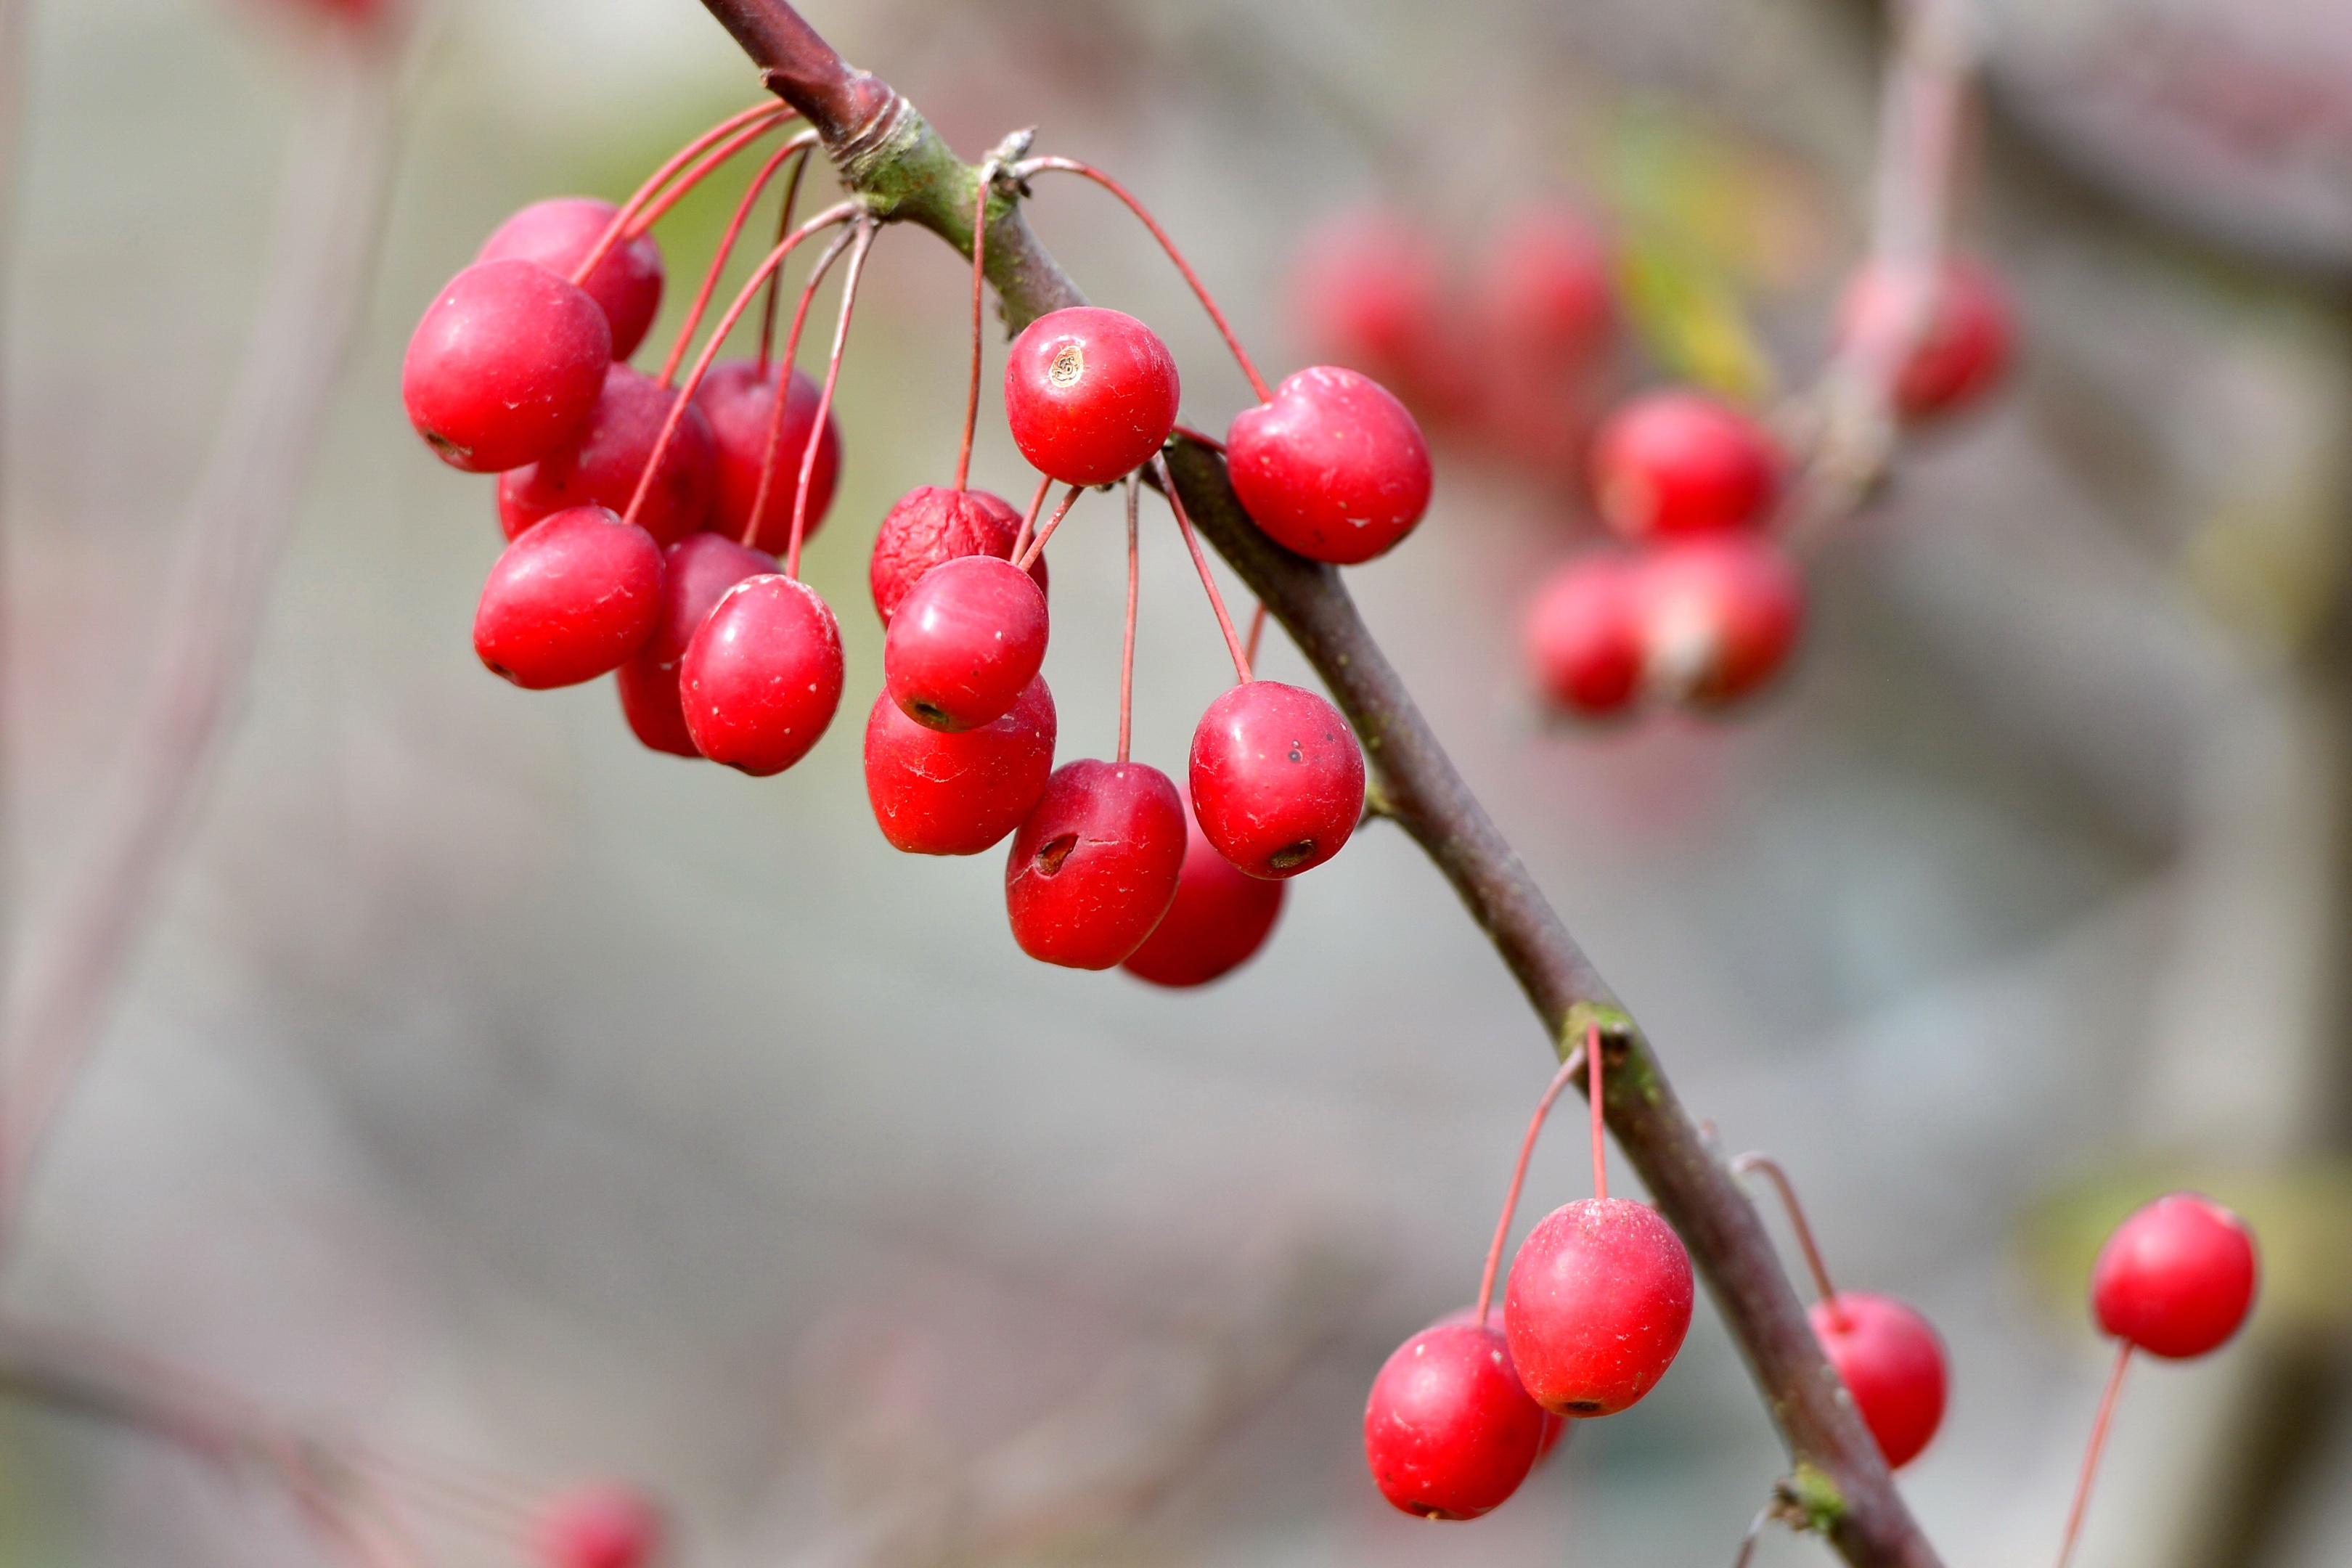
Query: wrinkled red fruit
(1546, 303)
(929, 525)
(1964, 345)
(569, 601)
(1448, 1431)
(600, 466)
(1892, 1361)
(696, 571)
(559, 232)
(1334, 467)
(1719, 616)
(1369, 286)
(598, 1527)
(937, 794)
(740, 402)
(1219, 921)
(965, 643)
(1090, 394)
(1582, 638)
(505, 366)
(1276, 777)
(1598, 1303)
(761, 676)
(2177, 1278)
(1096, 865)
(1673, 463)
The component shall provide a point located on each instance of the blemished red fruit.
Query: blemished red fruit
(600, 466)
(1892, 1361)
(1546, 302)
(1334, 467)
(505, 366)
(740, 404)
(2177, 1278)
(1096, 865)
(1448, 1431)
(598, 1527)
(569, 601)
(1674, 463)
(696, 571)
(1964, 345)
(1090, 394)
(929, 525)
(1277, 778)
(965, 643)
(1719, 616)
(762, 677)
(1582, 636)
(936, 793)
(1219, 921)
(1368, 285)
(1598, 1303)
(559, 232)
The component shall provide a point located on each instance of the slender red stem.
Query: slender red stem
(1257, 630)
(1560, 1080)
(776, 279)
(978, 287)
(1028, 557)
(777, 405)
(684, 185)
(1748, 1165)
(1029, 166)
(1600, 1128)
(2091, 1455)
(1208, 578)
(718, 267)
(865, 233)
(762, 115)
(1029, 522)
(1127, 651)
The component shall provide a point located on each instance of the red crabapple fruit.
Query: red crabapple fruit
(569, 601)
(1672, 463)
(1892, 1361)
(1333, 468)
(1219, 921)
(1545, 300)
(1582, 636)
(1448, 1431)
(1719, 616)
(602, 465)
(1277, 778)
(740, 404)
(1598, 1303)
(598, 1527)
(929, 525)
(696, 571)
(938, 793)
(559, 232)
(1369, 286)
(2177, 1278)
(1091, 395)
(505, 366)
(966, 642)
(1096, 865)
(1963, 348)
(762, 677)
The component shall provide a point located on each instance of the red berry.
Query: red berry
(1090, 394)
(650, 702)
(1584, 636)
(1678, 462)
(1556, 1428)
(1544, 296)
(1219, 921)
(1096, 865)
(1334, 467)
(965, 643)
(1719, 616)
(1892, 1361)
(599, 1527)
(937, 794)
(505, 366)
(1964, 348)
(559, 232)
(1448, 1431)
(1599, 1300)
(569, 601)
(1369, 286)
(2177, 1278)
(761, 676)
(740, 404)
(696, 571)
(602, 465)
(929, 525)
(1276, 777)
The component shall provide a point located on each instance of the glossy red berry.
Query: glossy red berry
(965, 643)
(650, 702)
(1598, 1303)
(505, 366)
(1334, 467)
(761, 676)
(1448, 1431)
(1719, 616)
(1673, 463)
(740, 404)
(1090, 394)
(1965, 341)
(2177, 1278)
(598, 1527)
(1892, 1361)
(1219, 921)
(569, 601)
(929, 525)
(602, 465)
(1096, 865)
(696, 571)
(559, 232)
(937, 794)
(1582, 638)
(1369, 286)
(1545, 298)
(1277, 778)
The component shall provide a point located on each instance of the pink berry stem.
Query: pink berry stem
(1028, 166)
(1028, 557)
(2091, 1455)
(800, 144)
(1029, 522)
(1560, 1080)
(1748, 1165)
(1755, 1533)
(816, 277)
(978, 287)
(776, 279)
(1257, 630)
(759, 119)
(718, 158)
(1600, 1128)
(1201, 564)
(865, 233)
(1127, 650)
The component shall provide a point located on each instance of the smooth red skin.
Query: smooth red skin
(696, 571)
(1582, 638)
(1892, 1361)
(739, 404)
(598, 1527)
(1556, 1428)
(1448, 1432)
(570, 600)
(1277, 778)
(1370, 287)
(1598, 1303)
(559, 232)
(505, 366)
(1719, 616)
(1117, 405)
(929, 525)
(761, 676)
(1096, 865)
(1546, 294)
(936, 793)
(651, 703)
(2177, 1278)
(1668, 465)
(1964, 349)
(1219, 921)
(965, 643)
(1334, 467)
(602, 465)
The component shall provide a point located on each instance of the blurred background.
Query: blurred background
(543, 1108)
